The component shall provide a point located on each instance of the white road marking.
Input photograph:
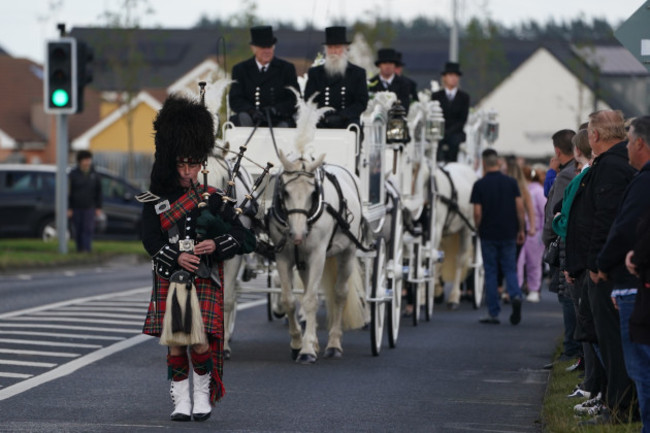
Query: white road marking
(139, 316)
(40, 353)
(15, 375)
(49, 343)
(69, 327)
(60, 335)
(27, 363)
(75, 320)
(70, 367)
(247, 305)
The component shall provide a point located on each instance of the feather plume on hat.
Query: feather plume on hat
(308, 116)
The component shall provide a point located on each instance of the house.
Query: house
(556, 88)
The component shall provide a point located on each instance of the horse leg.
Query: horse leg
(462, 259)
(285, 273)
(230, 270)
(338, 295)
(311, 277)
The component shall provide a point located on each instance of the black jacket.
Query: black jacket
(347, 94)
(252, 90)
(399, 86)
(640, 319)
(455, 113)
(634, 205)
(594, 207)
(85, 189)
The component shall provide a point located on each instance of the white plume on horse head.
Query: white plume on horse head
(214, 95)
(385, 99)
(308, 116)
(292, 162)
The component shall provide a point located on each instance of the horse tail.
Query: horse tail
(353, 310)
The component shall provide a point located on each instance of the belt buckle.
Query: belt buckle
(186, 245)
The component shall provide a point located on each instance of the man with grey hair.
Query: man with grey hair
(635, 205)
(339, 83)
(605, 185)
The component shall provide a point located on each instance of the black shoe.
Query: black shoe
(490, 320)
(515, 317)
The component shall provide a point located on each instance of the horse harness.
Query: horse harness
(451, 202)
(341, 214)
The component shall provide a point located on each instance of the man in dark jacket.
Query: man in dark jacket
(563, 150)
(611, 260)
(340, 84)
(259, 88)
(608, 178)
(387, 80)
(413, 86)
(85, 200)
(455, 108)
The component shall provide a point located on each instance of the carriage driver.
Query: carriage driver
(185, 233)
(340, 84)
(259, 88)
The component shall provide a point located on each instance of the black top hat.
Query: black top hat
(262, 36)
(451, 68)
(399, 59)
(336, 36)
(387, 55)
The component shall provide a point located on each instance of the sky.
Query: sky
(25, 25)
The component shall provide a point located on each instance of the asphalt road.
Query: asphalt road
(449, 375)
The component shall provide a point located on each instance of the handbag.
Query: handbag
(552, 253)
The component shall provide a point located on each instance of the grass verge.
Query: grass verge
(34, 253)
(557, 411)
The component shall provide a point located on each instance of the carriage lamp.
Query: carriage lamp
(397, 130)
(492, 129)
(435, 126)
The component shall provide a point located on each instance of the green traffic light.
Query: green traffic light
(60, 98)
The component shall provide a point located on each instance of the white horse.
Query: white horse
(454, 219)
(309, 237)
(219, 174)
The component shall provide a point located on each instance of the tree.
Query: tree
(125, 60)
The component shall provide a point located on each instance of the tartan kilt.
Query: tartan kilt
(211, 301)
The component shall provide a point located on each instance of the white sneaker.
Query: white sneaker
(532, 297)
(588, 406)
(579, 393)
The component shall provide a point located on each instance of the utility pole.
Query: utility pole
(453, 37)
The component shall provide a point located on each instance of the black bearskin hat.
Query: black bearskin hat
(184, 129)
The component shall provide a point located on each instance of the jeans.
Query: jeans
(571, 346)
(637, 359)
(499, 253)
(83, 221)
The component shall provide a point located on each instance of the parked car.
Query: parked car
(27, 203)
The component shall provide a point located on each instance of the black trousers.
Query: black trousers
(448, 147)
(620, 393)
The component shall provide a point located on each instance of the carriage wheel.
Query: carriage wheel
(378, 308)
(430, 288)
(396, 283)
(416, 287)
(479, 273)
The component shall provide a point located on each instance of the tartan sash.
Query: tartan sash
(181, 207)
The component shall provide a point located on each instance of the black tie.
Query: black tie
(263, 70)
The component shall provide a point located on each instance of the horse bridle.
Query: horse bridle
(281, 213)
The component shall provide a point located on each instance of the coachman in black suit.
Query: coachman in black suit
(340, 84)
(387, 80)
(260, 85)
(455, 108)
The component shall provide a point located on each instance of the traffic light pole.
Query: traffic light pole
(62, 181)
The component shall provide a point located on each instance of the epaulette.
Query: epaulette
(147, 197)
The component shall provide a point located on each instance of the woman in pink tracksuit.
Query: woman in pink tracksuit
(529, 265)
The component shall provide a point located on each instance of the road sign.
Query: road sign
(634, 34)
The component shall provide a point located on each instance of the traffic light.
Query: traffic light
(84, 71)
(60, 81)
